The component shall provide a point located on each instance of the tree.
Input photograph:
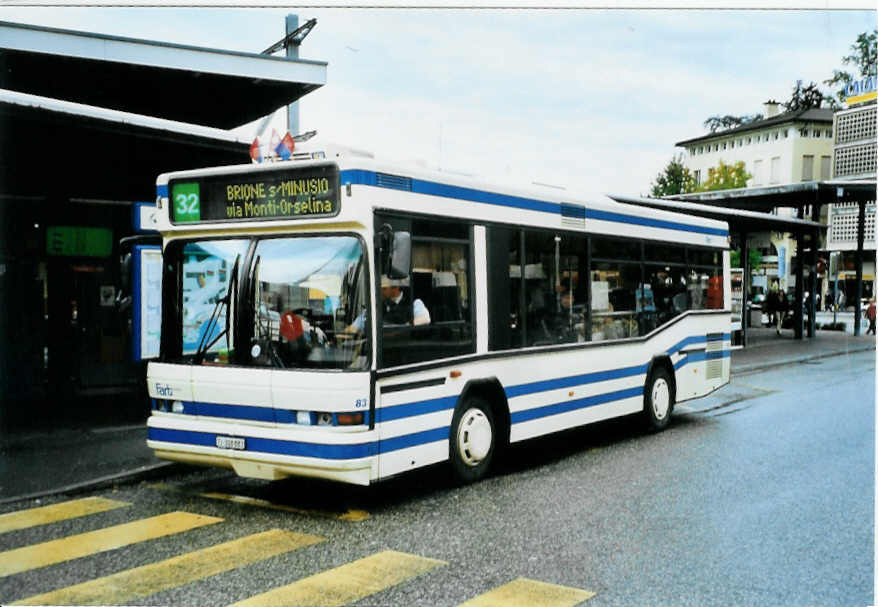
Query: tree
(806, 97)
(725, 177)
(676, 179)
(716, 123)
(755, 259)
(863, 59)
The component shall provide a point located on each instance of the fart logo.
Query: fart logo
(164, 390)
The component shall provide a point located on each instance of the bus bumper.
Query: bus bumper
(266, 452)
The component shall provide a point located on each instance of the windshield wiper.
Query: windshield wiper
(206, 344)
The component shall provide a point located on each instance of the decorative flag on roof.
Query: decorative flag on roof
(285, 148)
(255, 152)
(275, 141)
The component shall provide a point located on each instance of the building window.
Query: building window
(698, 177)
(807, 168)
(775, 170)
(757, 172)
(825, 168)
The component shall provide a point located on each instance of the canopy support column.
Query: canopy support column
(798, 321)
(745, 288)
(861, 235)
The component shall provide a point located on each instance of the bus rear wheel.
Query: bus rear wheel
(473, 440)
(658, 399)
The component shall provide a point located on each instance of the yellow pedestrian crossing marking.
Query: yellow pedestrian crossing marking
(347, 583)
(143, 581)
(350, 515)
(43, 515)
(525, 593)
(93, 542)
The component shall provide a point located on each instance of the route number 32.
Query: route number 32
(187, 202)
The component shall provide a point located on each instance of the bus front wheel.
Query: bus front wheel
(658, 399)
(473, 440)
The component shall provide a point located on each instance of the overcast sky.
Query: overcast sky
(593, 100)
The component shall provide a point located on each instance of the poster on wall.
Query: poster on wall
(147, 301)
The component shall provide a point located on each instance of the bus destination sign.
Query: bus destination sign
(298, 194)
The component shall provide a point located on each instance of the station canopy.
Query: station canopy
(793, 195)
(218, 88)
(90, 116)
(739, 219)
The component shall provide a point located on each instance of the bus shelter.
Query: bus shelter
(87, 123)
(743, 222)
(808, 199)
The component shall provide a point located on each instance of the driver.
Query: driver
(396, 310)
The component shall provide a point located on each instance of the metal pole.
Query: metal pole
(815, 243)
(745, 288)
(798, 317)
(812, 285)
(292, 53)
(861, 230)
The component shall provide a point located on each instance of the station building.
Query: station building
(87, 122)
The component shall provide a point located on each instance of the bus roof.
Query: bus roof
(493, 202)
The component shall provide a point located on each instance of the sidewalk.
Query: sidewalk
(71, 460)
(765, 349)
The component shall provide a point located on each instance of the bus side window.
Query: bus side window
(436, 320)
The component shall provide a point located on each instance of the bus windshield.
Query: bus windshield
(303, 301)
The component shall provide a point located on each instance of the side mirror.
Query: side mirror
(400, 262)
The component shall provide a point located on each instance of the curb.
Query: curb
(135, 475)
(754, 367)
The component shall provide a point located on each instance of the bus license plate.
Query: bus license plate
(227, 442)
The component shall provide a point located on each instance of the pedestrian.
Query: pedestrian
(782, 308)
(771, 304)
(870, 314)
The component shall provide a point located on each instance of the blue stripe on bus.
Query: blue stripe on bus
(574, 405)
(254, 413)
(414, 440)
(574, 380)
(386, 414)
(302, 449)
(161, 191)
(258, 414)
(432, 188)
(651, 223)
(447, 403)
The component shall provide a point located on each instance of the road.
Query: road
(761, 494)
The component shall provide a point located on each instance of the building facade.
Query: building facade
(782, 148)
(855, 159)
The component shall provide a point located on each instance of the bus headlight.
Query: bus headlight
(303, 418)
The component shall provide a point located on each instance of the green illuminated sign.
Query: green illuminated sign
(186, 198)
(78, 241)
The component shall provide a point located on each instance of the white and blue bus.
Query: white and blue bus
(336, 317)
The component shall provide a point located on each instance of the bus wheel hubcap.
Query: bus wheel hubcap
(661, 398)
(474, 437)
